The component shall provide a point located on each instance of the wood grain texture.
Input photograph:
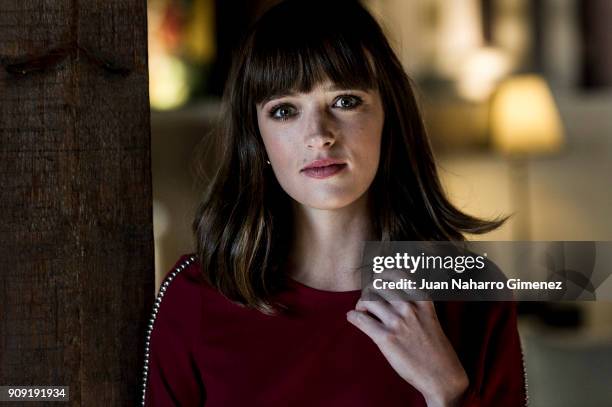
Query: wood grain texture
(76, 239)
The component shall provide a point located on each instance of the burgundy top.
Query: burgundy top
(206, 350)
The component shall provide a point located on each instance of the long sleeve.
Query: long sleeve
(173, 378)
(501, 378)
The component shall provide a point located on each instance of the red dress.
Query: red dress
(203, 349)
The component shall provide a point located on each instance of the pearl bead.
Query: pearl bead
(154, 313)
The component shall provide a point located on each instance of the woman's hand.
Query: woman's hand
(410, 337)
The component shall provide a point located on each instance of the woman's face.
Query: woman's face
(344, 125)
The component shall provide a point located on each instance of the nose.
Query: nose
(320, 132)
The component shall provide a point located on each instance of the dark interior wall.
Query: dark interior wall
(596, 30)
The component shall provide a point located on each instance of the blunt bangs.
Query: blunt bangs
(287, 57)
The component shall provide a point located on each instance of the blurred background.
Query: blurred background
(517, 97)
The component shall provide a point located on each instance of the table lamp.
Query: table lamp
(524, 121)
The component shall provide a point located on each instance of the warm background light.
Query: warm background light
(481, 71)
(458, 33)
(524, 117)
(168, 82)
(181, 46)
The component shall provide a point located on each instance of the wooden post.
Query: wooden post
(76, 241)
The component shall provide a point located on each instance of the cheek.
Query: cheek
(274, 142)
(281, 151)
(366, 142)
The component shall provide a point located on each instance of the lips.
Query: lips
(323, 163)
(324, 172)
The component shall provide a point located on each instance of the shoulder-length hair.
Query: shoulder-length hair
(243, 224)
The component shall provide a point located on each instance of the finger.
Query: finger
(396, 299)
(426, 307)
(368, 325)
(371, 293)
(381, 309)
(404, 286)
(424, 304)
(404, 302)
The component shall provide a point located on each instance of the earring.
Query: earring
(268, 161)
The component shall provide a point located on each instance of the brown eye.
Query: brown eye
(347, 102)
(282, 112)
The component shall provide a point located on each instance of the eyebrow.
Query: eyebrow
(330, 88)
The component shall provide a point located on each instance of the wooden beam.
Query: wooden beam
(76, 241)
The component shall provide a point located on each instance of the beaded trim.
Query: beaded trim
(160, 296)
(525, 379)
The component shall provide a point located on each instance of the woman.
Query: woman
(321, 148)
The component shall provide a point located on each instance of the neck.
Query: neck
(327, 245)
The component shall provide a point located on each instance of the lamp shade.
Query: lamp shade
(524, 117)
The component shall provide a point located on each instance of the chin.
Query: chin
(330, 203)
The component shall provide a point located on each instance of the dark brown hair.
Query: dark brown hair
(243, 224)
